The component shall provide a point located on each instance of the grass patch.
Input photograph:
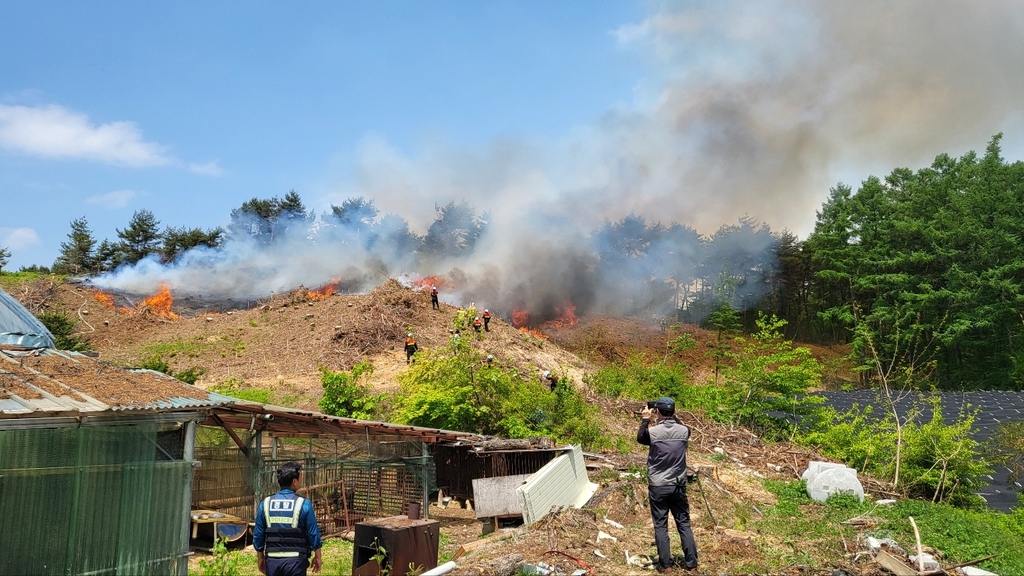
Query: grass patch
(191, 348)
(11, 280)
(336, 554)
(960, 534)
(233, 387)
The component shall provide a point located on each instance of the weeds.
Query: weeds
(222, 562)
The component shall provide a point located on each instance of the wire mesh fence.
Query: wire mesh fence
(347, 479)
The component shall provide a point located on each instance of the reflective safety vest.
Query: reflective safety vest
(487, 315)
(284, 537)
(433, 292)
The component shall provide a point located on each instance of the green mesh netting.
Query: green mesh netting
(92, 500)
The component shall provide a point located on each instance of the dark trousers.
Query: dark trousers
(287, 566)
(434, 304)
(487, 322)
(665, 499)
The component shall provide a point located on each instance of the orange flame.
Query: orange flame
(567, 317)
(520, 318)
(427, 281)
(104, 298)
(160, 303)
(534, 333)
(326, 290)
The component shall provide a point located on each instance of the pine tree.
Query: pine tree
(108, 257)
(5, 257)
(141, 238)
(76, 255)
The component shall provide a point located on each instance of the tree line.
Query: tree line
(922, 269)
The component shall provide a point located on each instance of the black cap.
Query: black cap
(665, 404)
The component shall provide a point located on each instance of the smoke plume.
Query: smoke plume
(748, 110)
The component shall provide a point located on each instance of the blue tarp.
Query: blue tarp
(18, 327)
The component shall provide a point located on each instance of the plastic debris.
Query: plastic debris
(613, 524)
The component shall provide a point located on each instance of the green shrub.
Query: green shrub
(767, 373)
(62, 326)
(222, 562)
(155, 363)
(343, 396)
(639, 380)
(937, 461)
(453, 388)
(190, 375)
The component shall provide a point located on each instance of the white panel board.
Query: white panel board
(497, 496)
(561, 482)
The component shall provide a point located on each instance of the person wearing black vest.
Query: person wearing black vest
(286, 532)
(666, 480)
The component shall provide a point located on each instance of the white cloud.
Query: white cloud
(629, 33)
(18, 238)
(113, 200)
(211, 168)
(53, 131)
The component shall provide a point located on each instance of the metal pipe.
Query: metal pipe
(442, 569)
(426, 487)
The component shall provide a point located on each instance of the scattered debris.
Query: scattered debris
(613, 523)
(826, 478)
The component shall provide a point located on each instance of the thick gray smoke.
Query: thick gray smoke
(748, 110)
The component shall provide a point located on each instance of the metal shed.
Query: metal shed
(95, 460)
(354, 469)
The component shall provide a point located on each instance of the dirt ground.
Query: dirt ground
(724, 506)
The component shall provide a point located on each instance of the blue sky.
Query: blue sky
(692, 112)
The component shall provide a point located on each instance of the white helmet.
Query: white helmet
(410, 334)
(486, 310)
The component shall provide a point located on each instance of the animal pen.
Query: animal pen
(353, 470)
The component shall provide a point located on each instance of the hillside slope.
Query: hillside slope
(281, 344)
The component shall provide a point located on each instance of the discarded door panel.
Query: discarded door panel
(561, 482)
(497, 496)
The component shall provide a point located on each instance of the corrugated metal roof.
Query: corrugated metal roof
(48, 382)
(18, 327)
(285, 420)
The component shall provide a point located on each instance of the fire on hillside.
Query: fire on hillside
(328, 289)
(566, 316)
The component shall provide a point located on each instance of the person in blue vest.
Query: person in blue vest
(286, 533)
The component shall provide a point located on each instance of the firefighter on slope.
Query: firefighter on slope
(487, 320)
(477, 324)
(433, 298)
(410, 348)
(286, 533)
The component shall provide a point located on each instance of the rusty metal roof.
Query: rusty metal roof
(294, 422)
(48, 382)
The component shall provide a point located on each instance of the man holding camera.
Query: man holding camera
(666, 479)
